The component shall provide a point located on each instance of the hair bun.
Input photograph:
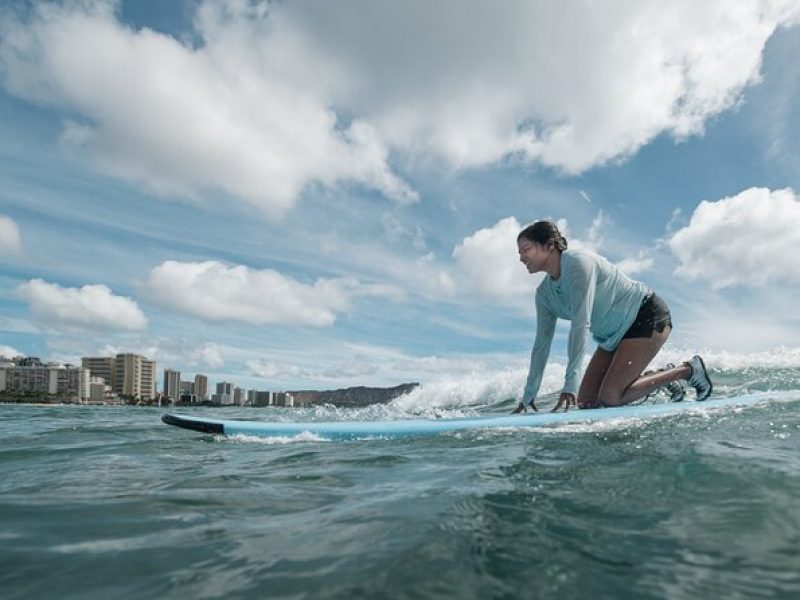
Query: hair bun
(544, 232)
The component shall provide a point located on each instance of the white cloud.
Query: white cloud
(487, 265)
(570, 85)
(218, 292)
(366, 364)
(737, 323)
(399, 232)
(268, 369)
(9, 352)
(91, 306)
(208, 354)
(635, 265)
(595, 236)
(10, 239)
(278, 96)
(182, 119)
(354, 370)
(170, 353)
(748, 239)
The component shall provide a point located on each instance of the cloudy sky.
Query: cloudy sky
(315, 194)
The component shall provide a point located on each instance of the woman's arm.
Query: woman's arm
(581, 281)
(545, 328)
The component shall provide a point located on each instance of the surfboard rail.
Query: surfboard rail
(408, 427)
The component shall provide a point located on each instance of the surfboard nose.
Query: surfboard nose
(194, 425)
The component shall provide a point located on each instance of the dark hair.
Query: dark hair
(544, 232)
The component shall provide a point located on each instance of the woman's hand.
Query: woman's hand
(588, 404)
(521, 408)
(566, 400)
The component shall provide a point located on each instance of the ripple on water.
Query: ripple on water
(695, 505)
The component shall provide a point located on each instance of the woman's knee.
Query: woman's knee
(587, 400)
(610, 396)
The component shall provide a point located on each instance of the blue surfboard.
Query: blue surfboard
(338, 430)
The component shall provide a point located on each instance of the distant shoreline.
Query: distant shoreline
(347, 398)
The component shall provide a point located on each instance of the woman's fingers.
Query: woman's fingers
(565, 400)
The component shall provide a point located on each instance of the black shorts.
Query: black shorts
(653, 316)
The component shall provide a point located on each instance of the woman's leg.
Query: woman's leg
(593, 378)
(624, 381)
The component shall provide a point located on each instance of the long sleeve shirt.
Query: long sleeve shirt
(597, 298)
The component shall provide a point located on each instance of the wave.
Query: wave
(490, 391)
(783, 357)
(733, 374)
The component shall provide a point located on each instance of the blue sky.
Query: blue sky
(315, 195)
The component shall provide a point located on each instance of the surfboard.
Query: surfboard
(343, 430)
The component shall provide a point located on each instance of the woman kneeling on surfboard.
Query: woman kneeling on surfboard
(628, 321)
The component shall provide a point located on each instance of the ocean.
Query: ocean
(107, 502)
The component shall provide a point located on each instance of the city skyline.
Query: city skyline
(294, 196)
(99, 376)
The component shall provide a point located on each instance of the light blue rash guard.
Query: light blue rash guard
(597, 297)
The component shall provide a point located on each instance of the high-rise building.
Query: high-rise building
(224, 393)
(127, 374)
(33, 376)
(282, 399)
(5, 371)
(201, 386)
(172, 384)
(100, 366)
(239, 396)
(262, 398)
(99, 390)
(134, 376)
(148, 382)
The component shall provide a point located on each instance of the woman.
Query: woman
(626, 319)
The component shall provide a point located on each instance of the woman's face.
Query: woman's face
(532, 255)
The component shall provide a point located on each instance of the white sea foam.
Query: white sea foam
(458, 395)
(475, 391)
(783, 357)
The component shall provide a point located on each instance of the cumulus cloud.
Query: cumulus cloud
(91, 306)
(634, 265)
(367, 364)
(747, 239)
(472, 86)
(273, 97)
(10, 239)
(9, 352)
(170, 352)
(183, 119)
(487, 264)
(268, 369)
(352, 369)
(218, 292)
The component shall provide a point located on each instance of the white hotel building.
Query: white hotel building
(30, 375)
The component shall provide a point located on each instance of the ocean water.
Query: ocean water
(107, 502)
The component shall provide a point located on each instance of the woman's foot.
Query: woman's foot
(699, 378)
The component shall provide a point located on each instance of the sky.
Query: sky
(316, 195)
